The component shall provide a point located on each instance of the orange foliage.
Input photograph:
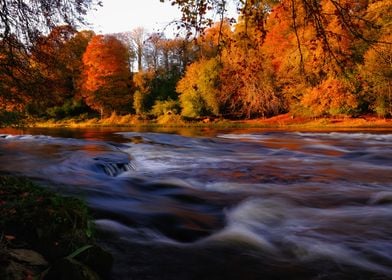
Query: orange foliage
(106, 84)
(58, 60)
(247, 77)
(331, 97)
(214, 38)
(279, 39)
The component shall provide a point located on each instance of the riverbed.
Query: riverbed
(223, 204)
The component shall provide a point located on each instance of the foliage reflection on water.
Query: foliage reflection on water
(311, 203)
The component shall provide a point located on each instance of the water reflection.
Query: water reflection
(270, 204)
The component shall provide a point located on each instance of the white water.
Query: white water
(298, 198)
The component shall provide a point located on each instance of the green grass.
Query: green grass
(42, 220)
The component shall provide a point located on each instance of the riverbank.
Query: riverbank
(44, 235)
(285, 121)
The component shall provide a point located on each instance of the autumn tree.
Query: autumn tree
(196, 15)
(142, 81)
(50, 60)
(304, 60)
(199, 89)
(332, 97)
(248, 87)
(377, 72)
(107, 78)
(22, 22)
(300, 55)
(57, 61)
(14, 70)
(213, 40)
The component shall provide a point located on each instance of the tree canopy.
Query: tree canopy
(309, 58)
(107, 77)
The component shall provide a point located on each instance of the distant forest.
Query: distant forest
(309, 58)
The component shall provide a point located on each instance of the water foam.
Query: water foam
(301, 234)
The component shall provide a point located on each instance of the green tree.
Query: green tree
(199, 90)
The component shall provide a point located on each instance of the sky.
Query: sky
(125, 15)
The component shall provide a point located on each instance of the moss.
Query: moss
(42, 220)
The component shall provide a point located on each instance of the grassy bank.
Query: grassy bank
(289, 121)
(40, 230)
(282, 121)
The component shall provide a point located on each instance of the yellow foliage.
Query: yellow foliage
(377, 71)
(198, 89)
(142, 80)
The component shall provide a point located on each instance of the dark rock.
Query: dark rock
(97, 259)
(15, 271)
(28, 256)
(20, 264)
(67, 268)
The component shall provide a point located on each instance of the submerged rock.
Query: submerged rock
(114, 167)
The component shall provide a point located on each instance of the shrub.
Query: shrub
(170, 119)
(8, 118)
(70, 108)
(165, 107)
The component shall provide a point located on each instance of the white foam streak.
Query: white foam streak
(277, 226)
(381, 197)
(124, 232)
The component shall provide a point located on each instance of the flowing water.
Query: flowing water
(230, 205)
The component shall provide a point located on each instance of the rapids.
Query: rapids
(230, 205)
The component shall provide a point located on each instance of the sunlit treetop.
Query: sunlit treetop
(196, 15)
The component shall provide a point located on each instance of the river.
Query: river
(228, 204)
